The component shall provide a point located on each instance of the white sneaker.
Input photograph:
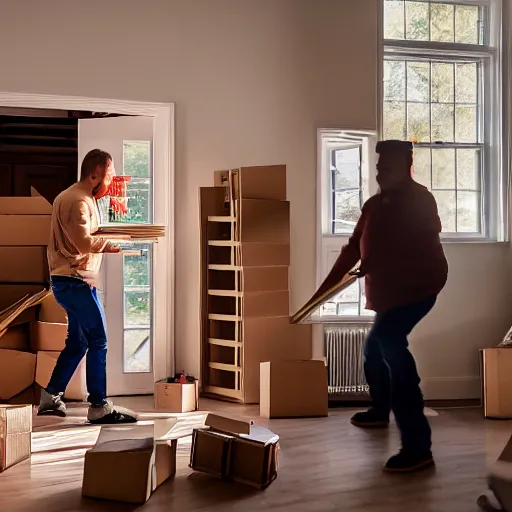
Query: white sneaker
(108, 415)
(51, 405)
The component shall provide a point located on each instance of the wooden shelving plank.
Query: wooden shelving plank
(225, 318)
(224, 267)
(221, 218)
(224, 367)
(224, 343)
(225, 293)
(229, 393)
(223, 243)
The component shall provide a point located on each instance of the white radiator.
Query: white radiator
(344, 351)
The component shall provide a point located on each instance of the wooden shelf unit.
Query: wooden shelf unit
(245, 258)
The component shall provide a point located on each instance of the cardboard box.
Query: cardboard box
(261, 182)
(11, 293)
(496, 376)
(16, 338)
(265, 279)
(127, 469)
(235, 450)
(173, 397)
(266, 304)
(15, 434)
(16, 372)
(23, 265)
(270, 339)
(25, 206)
(25, 229)
(77, 388)
(26, 317)
(255, 254)
(46, 336)
(293, 389)
(52, 312)
(31, 395)
(265, 221)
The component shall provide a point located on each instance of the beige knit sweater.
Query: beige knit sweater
(73, 250)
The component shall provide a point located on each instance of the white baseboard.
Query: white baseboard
(451, 388)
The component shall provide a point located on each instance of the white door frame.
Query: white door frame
(164, 167)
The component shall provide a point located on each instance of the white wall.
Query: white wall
(252, 81)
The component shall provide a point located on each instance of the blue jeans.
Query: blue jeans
(392, 376)
(87, 334)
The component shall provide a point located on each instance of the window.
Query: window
(441, 92)
(132, 202)
(346, 181)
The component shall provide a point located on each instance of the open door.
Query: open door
(128, 279)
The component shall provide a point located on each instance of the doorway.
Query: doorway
(139, 306)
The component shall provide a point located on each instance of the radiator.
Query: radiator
(344, 351)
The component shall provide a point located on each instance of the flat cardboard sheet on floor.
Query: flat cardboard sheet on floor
(49, 337)
(176, 397)
(293, 389)
(15, 434)
(23, 264)
(17, 371)
(51, 312)
(77, 388)
(235, 450)
(125, 467)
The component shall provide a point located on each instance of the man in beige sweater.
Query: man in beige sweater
(74, 256)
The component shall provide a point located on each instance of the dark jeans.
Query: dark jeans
(87, 334)
(391, 373)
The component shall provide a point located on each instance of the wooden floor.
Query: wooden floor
(325, 465)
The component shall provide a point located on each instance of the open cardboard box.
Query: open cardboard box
(126, 465)
(176, 397)
(235, 450)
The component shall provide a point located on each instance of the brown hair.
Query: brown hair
(93, 159)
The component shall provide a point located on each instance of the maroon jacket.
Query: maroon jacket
(397, 241)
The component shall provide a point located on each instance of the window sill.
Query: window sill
(347, 320)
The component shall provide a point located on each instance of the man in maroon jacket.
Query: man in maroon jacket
(397, 241)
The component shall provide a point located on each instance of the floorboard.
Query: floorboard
(325, 465)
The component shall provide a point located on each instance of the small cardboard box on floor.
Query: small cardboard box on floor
(15, 434)
(293, 389)
(496, 377)
(17, 370)
(127, 466)
(235, 450)
(176, 397)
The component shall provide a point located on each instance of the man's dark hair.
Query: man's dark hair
(93, 159)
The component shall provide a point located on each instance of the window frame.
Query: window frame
(494, 180)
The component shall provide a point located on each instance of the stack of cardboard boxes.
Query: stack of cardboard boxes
(245, 245)
(31, 342)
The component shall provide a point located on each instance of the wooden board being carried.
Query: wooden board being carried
(305, 312)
